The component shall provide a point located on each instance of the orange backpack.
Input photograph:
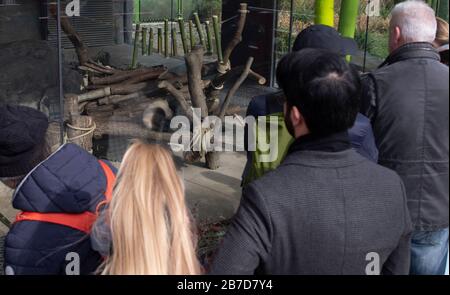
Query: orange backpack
(81, 221)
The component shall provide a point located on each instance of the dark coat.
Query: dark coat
(69, 181)
(407, 100)
(319, 213)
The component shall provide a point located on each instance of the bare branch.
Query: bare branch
(235, 87)
(238, 35)
(178, 95)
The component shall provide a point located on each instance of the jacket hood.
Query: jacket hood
(69, 181)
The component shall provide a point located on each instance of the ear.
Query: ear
(397, 34)
(296, 117)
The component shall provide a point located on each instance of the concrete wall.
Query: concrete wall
(20, 21)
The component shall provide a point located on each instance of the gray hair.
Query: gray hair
(416, 20)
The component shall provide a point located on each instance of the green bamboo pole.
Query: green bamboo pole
(191, 34)
(166, 38)
(209, 46)
(135, 48)
(216, 27)
(324, 12)
(183, 35)
(160, 40)
(347, 19)
(150, 41)
(199, 29)
(144, 41)
(174, 42)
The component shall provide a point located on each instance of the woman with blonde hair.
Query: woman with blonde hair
(147, 228)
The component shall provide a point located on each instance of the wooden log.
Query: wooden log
(121, 89)
(71, 106)
(122, 76)
(80, 130)
(178, 95)
(129, 129)
(194, 63)
(257, 77)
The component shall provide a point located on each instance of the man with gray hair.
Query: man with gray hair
(407, 100)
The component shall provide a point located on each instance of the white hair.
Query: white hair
(416, 20)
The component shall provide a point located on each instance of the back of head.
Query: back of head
(150, 224)
(22, 142)
(441, 33)
(416, 21)
(324, 88)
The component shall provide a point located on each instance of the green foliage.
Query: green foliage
(377, 44)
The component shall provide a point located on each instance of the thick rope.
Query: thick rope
(88, 130)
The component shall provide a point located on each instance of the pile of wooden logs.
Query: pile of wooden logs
(139, 102)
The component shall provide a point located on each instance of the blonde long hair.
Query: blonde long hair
(150, 224)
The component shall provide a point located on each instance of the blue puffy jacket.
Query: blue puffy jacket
(69, 181)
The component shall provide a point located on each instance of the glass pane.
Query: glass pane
(28, 77)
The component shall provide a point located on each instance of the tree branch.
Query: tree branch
(178, 95)
(235, 87)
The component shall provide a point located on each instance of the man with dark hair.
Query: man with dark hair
(57, 193)
(326, 209)
(361, 135)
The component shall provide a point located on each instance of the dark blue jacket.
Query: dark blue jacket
(361, 134)
(69, 181)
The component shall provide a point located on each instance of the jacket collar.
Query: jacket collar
(336, 142)
(412, 50)
(333, 151)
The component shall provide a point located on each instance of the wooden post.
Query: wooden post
(80, 131)
(144, 41)
(174, 42)
(216, 27)
(199, 29)
(160, 41)
(135, 48)
(166, 38)
(150, 41)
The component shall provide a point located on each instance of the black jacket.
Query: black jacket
(407, 100)
(320, 212)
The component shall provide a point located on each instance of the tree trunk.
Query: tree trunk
(212, 160)
(80, 131)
